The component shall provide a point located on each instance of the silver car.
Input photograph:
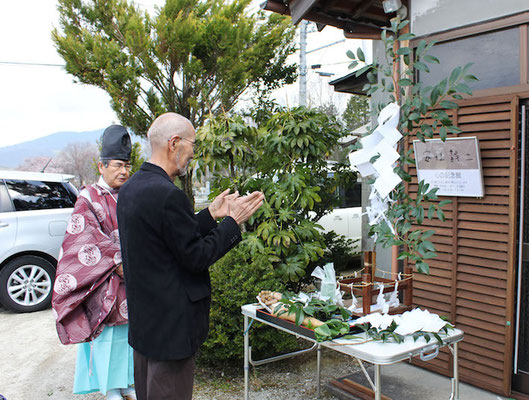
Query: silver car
(35, 209)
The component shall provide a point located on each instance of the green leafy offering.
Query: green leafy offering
(331, 329)
(332, 316)
(322, 310)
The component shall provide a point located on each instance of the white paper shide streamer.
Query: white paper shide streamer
(383, 143)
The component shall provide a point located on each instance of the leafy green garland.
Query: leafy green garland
(335, 323)
(388, 334)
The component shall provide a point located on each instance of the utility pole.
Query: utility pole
(303, 63)
(303, 60)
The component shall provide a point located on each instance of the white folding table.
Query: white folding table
(374, 352)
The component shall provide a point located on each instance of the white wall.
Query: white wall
(428, 16)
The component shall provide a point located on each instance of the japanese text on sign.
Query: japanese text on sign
(454, 166)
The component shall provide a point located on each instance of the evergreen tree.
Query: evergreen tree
(195, 57)
(356, 112)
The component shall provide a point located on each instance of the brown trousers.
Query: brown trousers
(163, 380)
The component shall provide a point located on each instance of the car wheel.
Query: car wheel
(26, 284)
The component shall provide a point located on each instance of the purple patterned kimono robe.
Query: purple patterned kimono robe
(88, 294)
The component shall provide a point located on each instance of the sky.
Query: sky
(38, 100)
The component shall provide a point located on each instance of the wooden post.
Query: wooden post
(367, 278)
(370, 262)
(366, 294)
(408, 294)
(394, 261)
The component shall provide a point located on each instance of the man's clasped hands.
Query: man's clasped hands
(240, 208)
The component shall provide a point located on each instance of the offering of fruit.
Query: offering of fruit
(269, 298)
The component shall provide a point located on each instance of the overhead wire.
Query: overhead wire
(33, 64)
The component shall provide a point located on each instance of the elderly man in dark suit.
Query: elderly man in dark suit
(167, 250)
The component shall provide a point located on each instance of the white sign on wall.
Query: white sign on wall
(454, 166)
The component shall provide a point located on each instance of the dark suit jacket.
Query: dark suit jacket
(166, 252)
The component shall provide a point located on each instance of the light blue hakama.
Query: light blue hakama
(111, 366)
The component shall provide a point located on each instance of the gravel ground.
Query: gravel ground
(35, 366)
(293, 379)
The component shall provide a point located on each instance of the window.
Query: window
(37, 195)
(496, 58)
(5, 201)
(72, 191)
(350, 196)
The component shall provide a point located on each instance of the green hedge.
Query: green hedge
(236, 280)
(339, 252)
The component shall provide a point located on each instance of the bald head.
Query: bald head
(172, 139)
(166, 126)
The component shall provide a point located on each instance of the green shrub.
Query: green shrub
(286, 159)
(339, 252)
(236, 280)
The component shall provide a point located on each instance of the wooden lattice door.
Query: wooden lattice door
(472, 279)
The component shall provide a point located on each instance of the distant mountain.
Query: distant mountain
(47, 146)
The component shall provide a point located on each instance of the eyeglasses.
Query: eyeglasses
(190, 141)
(182, 138)
(118, 166)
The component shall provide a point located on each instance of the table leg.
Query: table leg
(456, 372)
(378, 383)
(318, 370)
(246, 359)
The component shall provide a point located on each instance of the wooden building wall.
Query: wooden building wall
(472, 279)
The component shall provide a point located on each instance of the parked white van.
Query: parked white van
(346, 218)
(35, 209)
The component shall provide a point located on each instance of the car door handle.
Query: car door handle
(338, 218)
(3, 224)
